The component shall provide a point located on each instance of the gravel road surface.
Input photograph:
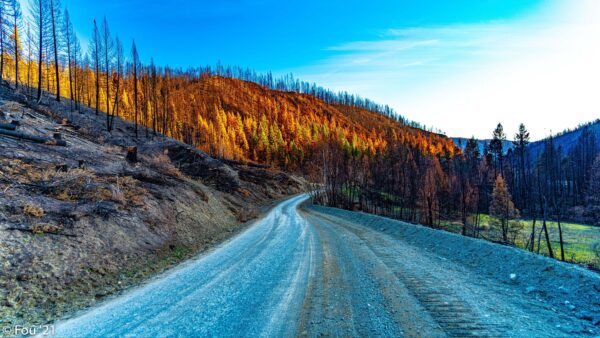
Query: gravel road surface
(313, 271)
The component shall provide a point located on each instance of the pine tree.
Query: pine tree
(497, 148)
(520, 143)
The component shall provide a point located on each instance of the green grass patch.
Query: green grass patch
(179, 252)
(578, 239)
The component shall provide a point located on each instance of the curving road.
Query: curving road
(309, 273)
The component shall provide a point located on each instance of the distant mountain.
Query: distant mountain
(565, 140)
(461, 142)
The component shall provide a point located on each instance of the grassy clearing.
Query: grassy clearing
(579, 239)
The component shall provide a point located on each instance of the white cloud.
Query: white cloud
(543, 70)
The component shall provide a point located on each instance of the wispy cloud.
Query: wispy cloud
(542, 70)
(383, 45)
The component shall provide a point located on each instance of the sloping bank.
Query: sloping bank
(567, 289)
(81, 222)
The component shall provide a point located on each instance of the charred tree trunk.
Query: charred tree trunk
(52, 12)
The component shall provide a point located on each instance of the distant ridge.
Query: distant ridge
(565, 141)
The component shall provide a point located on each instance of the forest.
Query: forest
(361, 155)
(506, 184)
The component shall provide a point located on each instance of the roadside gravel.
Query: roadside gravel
(465, 285)
(313, 271)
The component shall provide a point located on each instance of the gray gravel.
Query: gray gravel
(252, 285)
(470, 287)
(326, 272)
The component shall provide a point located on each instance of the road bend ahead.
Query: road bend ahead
(309, 273)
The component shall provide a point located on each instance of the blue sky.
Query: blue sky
(460, 65)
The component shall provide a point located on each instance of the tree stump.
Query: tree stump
(132, 155)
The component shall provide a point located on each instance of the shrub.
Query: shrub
(33, 210)
(162, 163)
(44, 228)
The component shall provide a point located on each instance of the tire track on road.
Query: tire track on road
(453, 297)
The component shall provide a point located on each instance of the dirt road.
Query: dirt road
(317, 271)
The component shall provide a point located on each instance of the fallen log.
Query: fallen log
(37, 232)
(44, 111)
(32, 138)
(8, 126)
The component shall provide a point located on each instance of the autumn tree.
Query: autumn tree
(462, 187)
(430, 185)
(502, 207)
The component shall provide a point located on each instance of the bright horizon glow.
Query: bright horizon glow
(542, 69)
(461, 67)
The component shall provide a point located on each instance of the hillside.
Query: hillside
(567, 140)
(241, 120)
(81, 221)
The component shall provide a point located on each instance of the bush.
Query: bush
(33, 210)
(44, 228)
(162, 163)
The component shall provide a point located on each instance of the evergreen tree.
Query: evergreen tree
(520, 143)
(497, 149)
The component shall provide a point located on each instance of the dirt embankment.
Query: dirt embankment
(80, 222)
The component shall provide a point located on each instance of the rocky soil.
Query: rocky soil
(469, 287)
(80, 222)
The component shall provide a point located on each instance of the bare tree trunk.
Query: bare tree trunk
(545, 228)
(1, 43)
(532, 237)
(69, 61)
(40, 52)
(16, 34)
(52, 12)
(560, 234)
